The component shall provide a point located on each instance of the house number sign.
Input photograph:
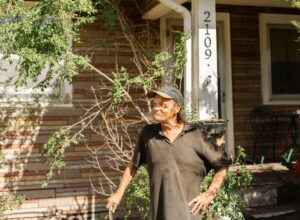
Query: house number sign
(207, 39)
(208, 78)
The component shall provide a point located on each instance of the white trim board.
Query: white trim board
(225, 19)
(160, 10)
(257, 3)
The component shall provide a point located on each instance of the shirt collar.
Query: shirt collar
(186, 128)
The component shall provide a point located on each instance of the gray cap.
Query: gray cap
(168, 92)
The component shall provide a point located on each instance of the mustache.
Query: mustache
(157, 112)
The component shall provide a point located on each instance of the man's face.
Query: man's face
(164, 109)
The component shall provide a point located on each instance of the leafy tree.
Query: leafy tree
(295, 4)
(41, 35)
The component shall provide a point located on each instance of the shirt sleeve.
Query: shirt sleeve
(139, 155)
(215, 158)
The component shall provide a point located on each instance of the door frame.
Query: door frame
(224, 19)
(225, 64)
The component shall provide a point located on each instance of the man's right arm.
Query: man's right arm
(116, 197)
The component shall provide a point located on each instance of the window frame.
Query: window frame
(266, 20)
(65, 97)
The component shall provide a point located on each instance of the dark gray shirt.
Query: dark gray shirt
(175, 169)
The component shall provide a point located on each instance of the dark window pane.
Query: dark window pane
(285, 61)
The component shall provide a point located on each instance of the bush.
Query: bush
(7, 200)
(137, 195)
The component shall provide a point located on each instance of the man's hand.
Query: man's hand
(201, 202)
(113, 201)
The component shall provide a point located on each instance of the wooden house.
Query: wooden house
(247, 51)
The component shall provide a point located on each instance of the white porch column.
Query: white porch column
(188, 46)
(205, 58)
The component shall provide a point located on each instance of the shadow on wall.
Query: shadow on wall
(19, 131)
(24, 131)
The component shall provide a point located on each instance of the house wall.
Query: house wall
(69, 192)
(246, 73)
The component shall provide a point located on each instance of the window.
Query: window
(280, 59)
(58, 92)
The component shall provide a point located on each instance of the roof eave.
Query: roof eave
(159, 10)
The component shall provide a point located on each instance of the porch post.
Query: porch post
(205, 58)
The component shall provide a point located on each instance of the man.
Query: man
(178, 157)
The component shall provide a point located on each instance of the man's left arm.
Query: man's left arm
(202, 201)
